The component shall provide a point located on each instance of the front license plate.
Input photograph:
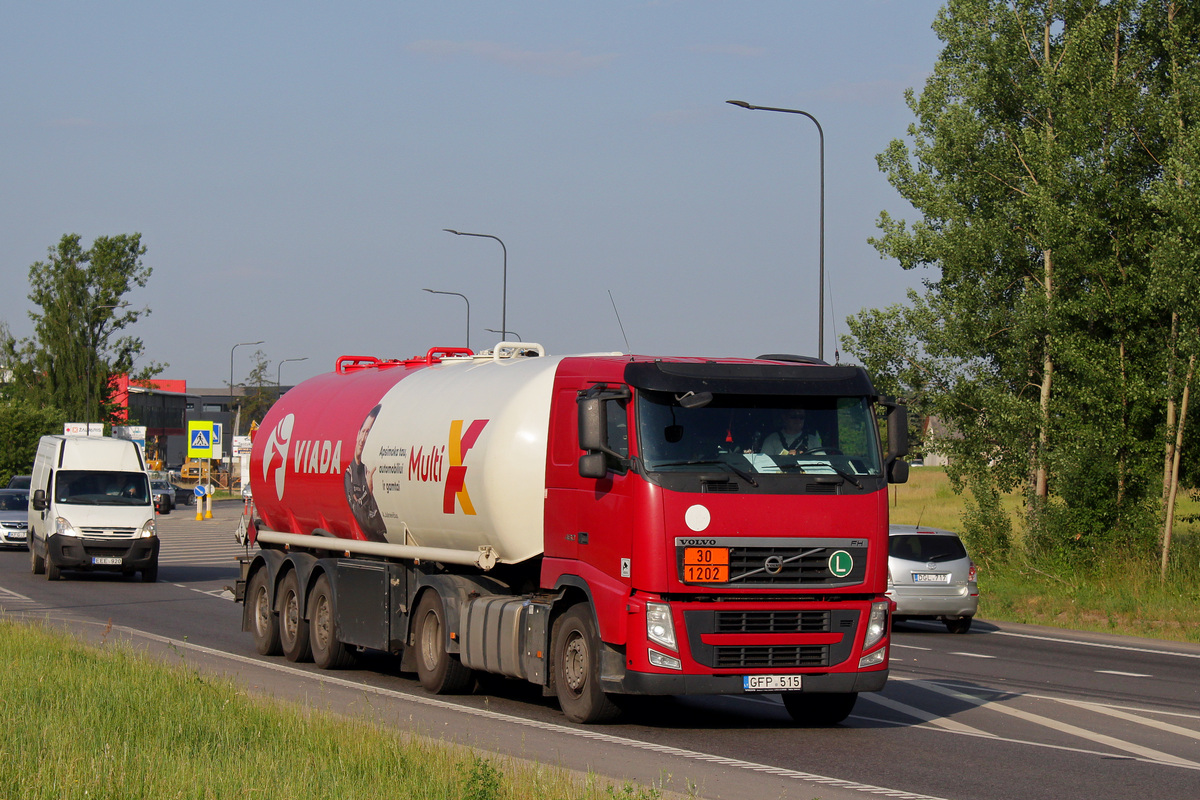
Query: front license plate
(106, 561)
(771, 683)
(931, 577)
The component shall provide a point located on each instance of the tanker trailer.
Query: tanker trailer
(600, 525)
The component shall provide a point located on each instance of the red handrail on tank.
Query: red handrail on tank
(434, 356)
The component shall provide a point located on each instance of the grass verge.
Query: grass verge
(87, 722)
(1121, 597)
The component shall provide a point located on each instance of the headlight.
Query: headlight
(877, 625)
(64, 528)
(659, 627)
(148, 529)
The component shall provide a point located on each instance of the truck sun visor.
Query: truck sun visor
(726, 378)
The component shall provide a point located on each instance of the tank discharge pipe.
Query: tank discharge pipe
(484, 557)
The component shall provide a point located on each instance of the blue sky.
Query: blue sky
(291, 167)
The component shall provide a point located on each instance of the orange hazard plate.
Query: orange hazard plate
(706, 564)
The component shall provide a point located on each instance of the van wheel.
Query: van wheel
(37, 564)
(53, 573)
(264, 622)
(328, 651)
(575, 667)
(293, 633)
(440, 672)
(819, 709)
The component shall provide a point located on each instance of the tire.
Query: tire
(293, 632)
(264, 622)
(958, 624)
(575, 668)
(37, 564)
(53, 573)
(440, 672)
(328, 652)
(819, 710)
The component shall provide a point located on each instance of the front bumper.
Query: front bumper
(662, 684)
(121, 555)
(916, 604)
(13, 537)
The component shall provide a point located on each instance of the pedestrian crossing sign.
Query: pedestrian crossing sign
(200, 440)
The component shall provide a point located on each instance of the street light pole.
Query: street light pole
(231, 433)
(468, 302)
(504, 285)
(821, 267)
(504, 334)
(279, 372)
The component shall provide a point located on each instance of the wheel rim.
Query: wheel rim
(262, 611)
(291, 616)
(431, 629)
(575, 666)
(321, 621)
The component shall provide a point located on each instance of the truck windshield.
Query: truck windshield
(760, 435)
(101, 488)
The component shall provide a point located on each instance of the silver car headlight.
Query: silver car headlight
(63, 527)
(148, 529)
(877, 624)
(659, 625)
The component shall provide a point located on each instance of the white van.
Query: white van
(90, 508)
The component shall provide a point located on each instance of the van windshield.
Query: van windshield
(101, 488)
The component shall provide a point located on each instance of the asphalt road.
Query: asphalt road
(1004, 711)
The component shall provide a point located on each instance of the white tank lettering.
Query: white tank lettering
(335, 461)
(326, 452)
(298, 459)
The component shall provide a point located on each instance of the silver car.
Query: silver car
(930, 575)
(14, 517)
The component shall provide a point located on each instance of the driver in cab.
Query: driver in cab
(792, 436)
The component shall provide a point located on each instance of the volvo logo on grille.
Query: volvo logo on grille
(773, 564)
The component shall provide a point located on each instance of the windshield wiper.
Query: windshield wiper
(696, 462)
(830, 465)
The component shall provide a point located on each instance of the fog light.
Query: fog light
(875, 658)
(665, 661)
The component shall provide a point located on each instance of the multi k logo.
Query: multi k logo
(277, 444)
(428, 466)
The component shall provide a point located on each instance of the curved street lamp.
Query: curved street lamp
(504, 334)
(468, 302)
(279, 371)
(228, 445)
(821, 268)
(504, 285)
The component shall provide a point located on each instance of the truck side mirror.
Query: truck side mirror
(38, 501)
(898, 471)
(593, 424)
(593, 465)
(897, 433)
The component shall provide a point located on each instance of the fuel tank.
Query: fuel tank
(448, 451)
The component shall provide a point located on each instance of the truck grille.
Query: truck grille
(762, 657)
(108, 533)
(751, 621)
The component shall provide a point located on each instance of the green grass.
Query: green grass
(1118, 596)
(88, 722)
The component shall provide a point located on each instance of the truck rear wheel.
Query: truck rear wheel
(575, 665)
(264, 622)
(821, 710)
(293, 632)
(328, 652)
(440, 672)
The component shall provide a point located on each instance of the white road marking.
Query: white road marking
(970, 655)
(1061, 640)
(1166, 727)
(1123, 674)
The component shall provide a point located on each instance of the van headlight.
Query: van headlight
(877, 625)
(659, 626)
(148, 529)
(64, 528)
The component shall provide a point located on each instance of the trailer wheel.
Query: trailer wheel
(293, 633)
(264, 622)
(440, 672)
(575, 665)
(819, 710)
(37, 564)
(328, 652)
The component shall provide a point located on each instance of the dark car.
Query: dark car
(930, 575)
(164, 496)
(14, 518)
(19, 481)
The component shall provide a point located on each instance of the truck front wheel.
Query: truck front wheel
(264, 622)
(440, 672)
(820, 710)
(293, 632)
(328, 652)
(575, 665)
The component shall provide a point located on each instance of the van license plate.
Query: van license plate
(107, 561)
(771, 683)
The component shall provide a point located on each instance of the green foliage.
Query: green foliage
(1053, 162)
(80, 296)
(259, 394)
(483, 781)
(21, 425)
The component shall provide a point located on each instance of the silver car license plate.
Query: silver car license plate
(931, 577)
